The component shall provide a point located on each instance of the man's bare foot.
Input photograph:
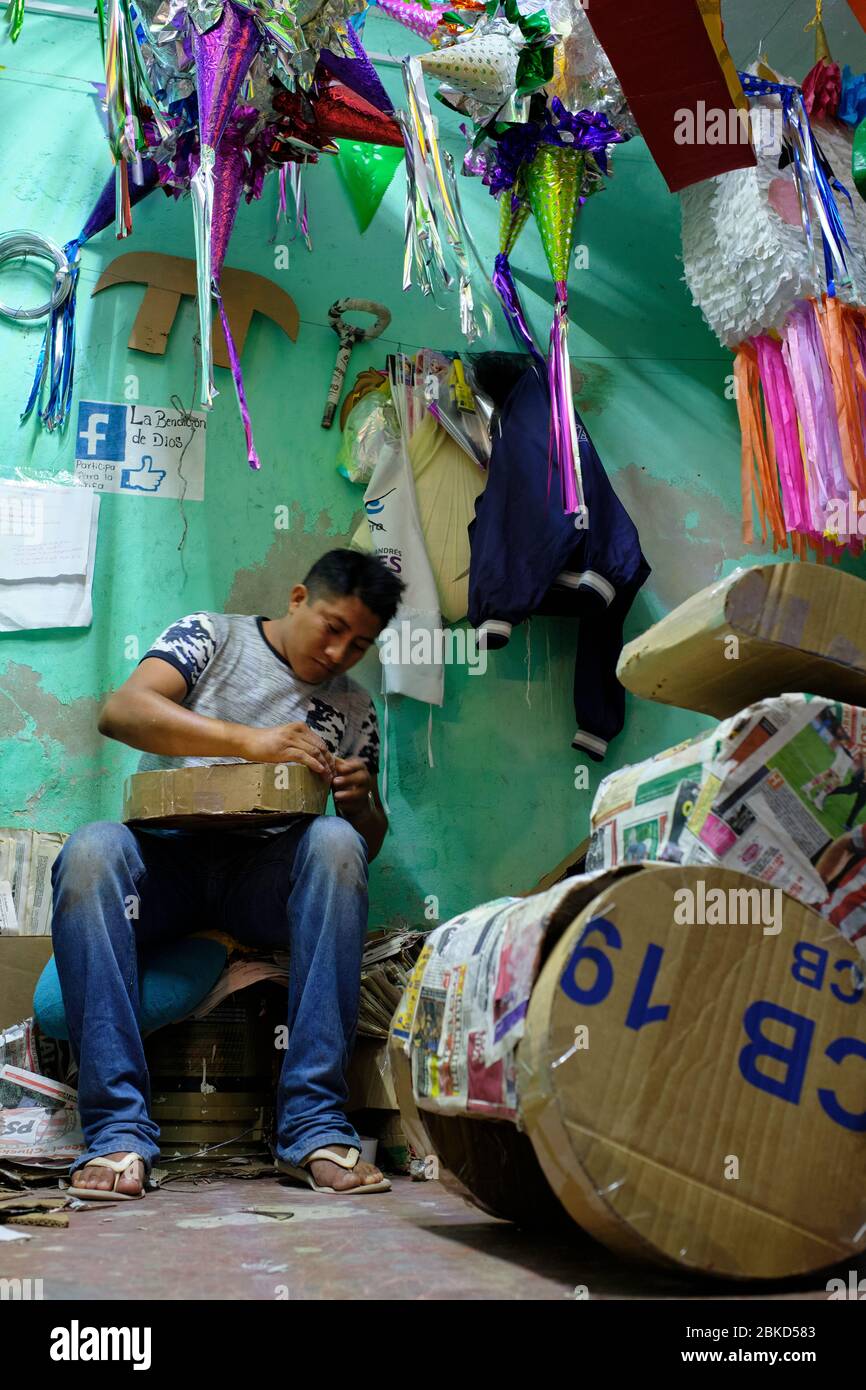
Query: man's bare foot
(129, 1183)
(328, 1174)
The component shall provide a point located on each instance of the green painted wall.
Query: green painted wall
(498, 808)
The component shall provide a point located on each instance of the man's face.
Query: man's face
(329, 634)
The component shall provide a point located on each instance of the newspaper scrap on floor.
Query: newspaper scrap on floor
(777, 791)
(39, 1121)
(464, 1009)
(26, 1209)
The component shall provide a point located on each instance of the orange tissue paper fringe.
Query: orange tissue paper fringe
(842, 329)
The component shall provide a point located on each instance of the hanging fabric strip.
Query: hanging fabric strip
(423, 243)
(237, 374)
(56, 361)
(282, 211)
(129, 96)
(758, 470)
(430, 762)
(782, 411)
(564, 447)
(201, 192)
(290, 176)
(123, 206)
(434, 178)
(300, 198)
(811, 382)
(744, 393)
(831, 320)
(464, 236)
(503, 283)
(815, 188)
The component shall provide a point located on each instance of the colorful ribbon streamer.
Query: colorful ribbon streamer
(432, 199)
(812, 182)
(56, 360)
(130, 101)
(564, 446)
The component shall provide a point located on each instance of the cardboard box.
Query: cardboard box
(223, 795)
(774, 792)
(26, 857)
(696, 1094)
(22, 960)
(797, 627)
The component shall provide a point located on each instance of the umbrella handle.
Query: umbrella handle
(350, 334)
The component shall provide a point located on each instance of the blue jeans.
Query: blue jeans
(305, 889)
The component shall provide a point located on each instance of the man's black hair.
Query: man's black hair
(353, 573)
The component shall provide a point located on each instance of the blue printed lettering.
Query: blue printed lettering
(793, 1058)
(638, 1013)
(601, 986)
(808, 971)
(837, 1052)
(857, 982)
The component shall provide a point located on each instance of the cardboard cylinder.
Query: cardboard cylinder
(223, 795)
(797, 627)
(483, 1156)
(486, 1162)
(713, 1114)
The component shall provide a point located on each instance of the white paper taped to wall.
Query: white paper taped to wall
(47, 552)
(45, 531)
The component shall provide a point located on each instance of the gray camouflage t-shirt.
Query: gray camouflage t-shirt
(232, 672)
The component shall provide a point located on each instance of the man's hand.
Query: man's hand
(356, 799)
(351, 786)
(290, 743)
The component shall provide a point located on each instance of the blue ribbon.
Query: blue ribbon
(56, 359)
(803, 140)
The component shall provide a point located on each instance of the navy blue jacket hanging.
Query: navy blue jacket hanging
(528, 557)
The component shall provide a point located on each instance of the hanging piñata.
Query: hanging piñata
(207, 99)
(545, 107)
(775, 257)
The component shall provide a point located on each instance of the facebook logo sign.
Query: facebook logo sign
(101, 432)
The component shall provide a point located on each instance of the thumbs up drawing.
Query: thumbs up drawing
(147, 478)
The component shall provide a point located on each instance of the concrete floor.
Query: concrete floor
(417, 1242)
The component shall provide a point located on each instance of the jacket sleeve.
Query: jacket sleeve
(599, 699)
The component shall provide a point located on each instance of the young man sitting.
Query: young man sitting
(226, 688)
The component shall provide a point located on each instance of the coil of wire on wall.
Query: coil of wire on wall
(58, 344)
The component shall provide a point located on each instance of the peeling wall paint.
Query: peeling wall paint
(498, 807)
(263, 587)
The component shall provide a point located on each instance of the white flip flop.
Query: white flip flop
(110, 1194)
(350, 1160)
